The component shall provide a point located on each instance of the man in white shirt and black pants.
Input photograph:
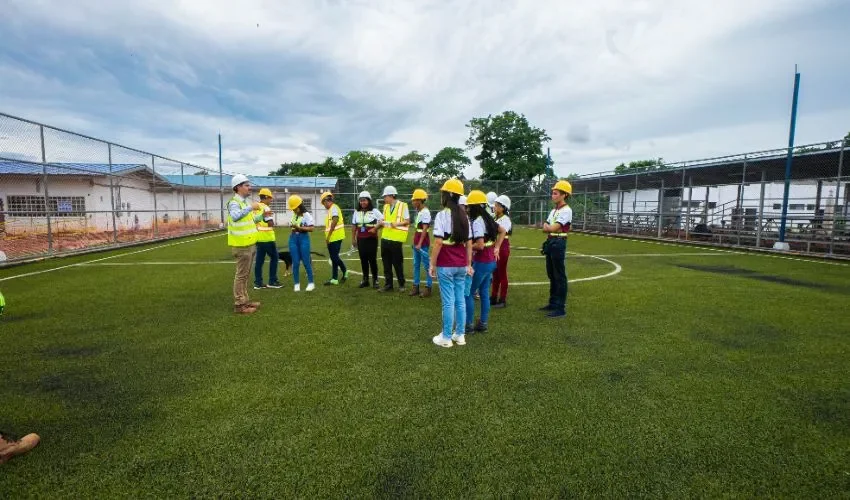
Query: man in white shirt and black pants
(557, 226)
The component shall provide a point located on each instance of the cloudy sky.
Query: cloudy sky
(299, 80)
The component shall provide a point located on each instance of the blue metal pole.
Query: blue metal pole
(220, 180)
(789, 160)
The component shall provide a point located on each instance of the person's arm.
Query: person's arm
(334, 220)
(469, 269)
(237, 212)
(435, 251)
(478, 244)
(499, 239)
(425, 228)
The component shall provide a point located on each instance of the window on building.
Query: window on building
(60, 206)
(712, 204)
(777, 206)
(797, 206)
(810, 206)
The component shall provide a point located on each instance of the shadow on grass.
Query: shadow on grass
(769, 278)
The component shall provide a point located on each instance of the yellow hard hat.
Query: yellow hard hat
(266, 192)
(294, 202)
(476, 197)
(325, 195)
(453, 186)
(419, 194)
(564, 186)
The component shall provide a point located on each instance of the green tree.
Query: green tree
(447, 163)
(847, 139)
(639, 166)
(410, 163)
(511, 149)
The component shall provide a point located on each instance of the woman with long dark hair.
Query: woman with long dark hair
(451, 257)
(499, 292)
(487, 237)
(302, 224)
(364, 237)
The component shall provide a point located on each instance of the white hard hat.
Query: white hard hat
(390, 191)
(491, 198)
(365, 194)
(238, 179)
(504, 201)
(461, 200)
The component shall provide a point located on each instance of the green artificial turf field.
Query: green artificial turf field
(679, 371)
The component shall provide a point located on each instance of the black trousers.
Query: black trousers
(368, 250)
(393, 257)
(556, 270)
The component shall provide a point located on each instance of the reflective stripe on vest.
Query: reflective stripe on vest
(339, 230)
(394, 214)
(243, 232)
(265, 233)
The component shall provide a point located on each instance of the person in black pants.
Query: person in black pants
(393, 237)
(364, 237)
(557, 226)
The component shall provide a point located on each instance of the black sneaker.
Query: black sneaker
(364, 284)
(498, 305)
(547, 308)
(274, 285)
(468, 329)
(556, 314)
(259, 287)
(387, 288)
(481, 327)
(376, 285)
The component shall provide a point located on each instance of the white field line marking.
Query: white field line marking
(34, 273)
(722, 250)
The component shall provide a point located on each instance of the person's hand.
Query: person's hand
(255, 205)
(354, 244)
(418, 248)
(469, 270)
(432, 272)
(496, 253)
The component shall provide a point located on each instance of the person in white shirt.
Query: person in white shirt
(499, 292)
(302, 224)
(421, 243)
(364, 237)
(557, 226)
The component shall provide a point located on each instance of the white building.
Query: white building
(84, 198)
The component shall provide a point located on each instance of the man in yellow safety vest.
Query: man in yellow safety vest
(334, 234)
(242, 239)
(393, 237)
(266, 243)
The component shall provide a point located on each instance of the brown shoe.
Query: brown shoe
(11, 449)
(426, 292)
(255, 305)
(245, 309)
(414, 291)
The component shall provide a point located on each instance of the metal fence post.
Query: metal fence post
(660, 208)
(112, 195)
(837, 198)
(740, 204)
(761, 209)
(206, 208)
(183, 195)
(584, 212)
(688, 213)
(220, 183)
(681, 199)
(155, 213)
(619, 209)
(46, 194)
(634, 207)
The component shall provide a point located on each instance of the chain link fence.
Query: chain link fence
(62, 192)
(735, 200)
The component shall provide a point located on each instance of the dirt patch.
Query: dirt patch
(748, 273)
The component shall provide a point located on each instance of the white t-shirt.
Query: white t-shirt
(372, 217)
(505, 222)
(563, 216)
(443, 225)
(423, 216)
(478, 228)
(335, 212)
(306, 220)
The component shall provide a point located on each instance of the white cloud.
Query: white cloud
(631, 79)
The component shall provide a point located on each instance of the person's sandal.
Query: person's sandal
(13, 448)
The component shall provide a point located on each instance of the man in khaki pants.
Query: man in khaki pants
(242, 238)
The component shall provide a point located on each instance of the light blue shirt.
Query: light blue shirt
(237, 212)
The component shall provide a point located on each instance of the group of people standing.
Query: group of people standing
(467, 254)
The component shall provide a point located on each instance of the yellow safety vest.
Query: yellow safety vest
(553, 216)
(265, 232)
(243, 232)
(339, 230)
(394, 215)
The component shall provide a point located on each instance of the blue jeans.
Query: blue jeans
(480, 283)
(266, 248)
(336, 261)
(299, 247)
(421, 258)
(452, 280)
(557, 272)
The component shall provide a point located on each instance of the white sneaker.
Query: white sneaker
(441, 341)
(311, 287)
(297, 287)
(459, 339)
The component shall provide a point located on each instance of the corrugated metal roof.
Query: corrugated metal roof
(212, 180)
